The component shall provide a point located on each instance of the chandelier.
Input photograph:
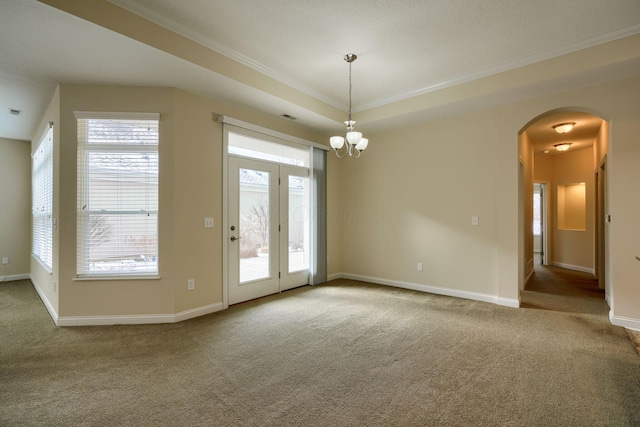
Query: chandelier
(355, 143)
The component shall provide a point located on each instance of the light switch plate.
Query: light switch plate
(475, 220)
(208, 223)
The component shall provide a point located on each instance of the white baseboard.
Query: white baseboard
(139, 319)
(476, 296)
(626, 322)
(508, 302)
(334, 277)
(197, 312)
(526, 279)
(14, 277)
(574, 267)
(43, 297)
(607, 298)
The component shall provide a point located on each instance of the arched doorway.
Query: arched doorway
(571, 217)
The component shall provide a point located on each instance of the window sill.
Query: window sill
(44, 266)
(110, 278)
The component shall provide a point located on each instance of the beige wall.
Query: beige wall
(574, 248)
(409, 199)
(190, 190)
(15, 208)
(334, 214)
(417, 187)
(624, 204)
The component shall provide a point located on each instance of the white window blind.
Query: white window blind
(42, 201)
(117, 194)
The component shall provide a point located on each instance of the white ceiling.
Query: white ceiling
(407, 49)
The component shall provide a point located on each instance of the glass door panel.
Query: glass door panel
(295, 225)
(255, 227)
(298, 244)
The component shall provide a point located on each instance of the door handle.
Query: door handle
(234, 238)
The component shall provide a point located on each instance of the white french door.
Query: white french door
(295, 226)
(268, 228)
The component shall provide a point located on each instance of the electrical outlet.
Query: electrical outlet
(475, 220)
(191, 284)
(5, 260)
(419, 267)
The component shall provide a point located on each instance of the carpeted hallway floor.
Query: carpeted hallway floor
(341, 354)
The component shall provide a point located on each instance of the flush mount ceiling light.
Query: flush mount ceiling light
(563, 147)
(355, 143)
(564, 127)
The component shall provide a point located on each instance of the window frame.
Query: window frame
(42, 201)
(83, 271)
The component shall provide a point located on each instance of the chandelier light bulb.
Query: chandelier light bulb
(354, 137)
(337, 142)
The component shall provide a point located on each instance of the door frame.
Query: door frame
(242, 125)
(601, 220)
(290, 280)
(546, 211)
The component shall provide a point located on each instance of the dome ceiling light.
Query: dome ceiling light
(564, 127)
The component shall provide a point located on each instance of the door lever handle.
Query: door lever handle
(234, 238)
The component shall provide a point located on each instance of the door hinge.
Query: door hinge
(279, 228)
(279, 275)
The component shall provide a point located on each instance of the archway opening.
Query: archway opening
(563, 196)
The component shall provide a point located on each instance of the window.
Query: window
(117, 194)
(267, 148)
(42, 201)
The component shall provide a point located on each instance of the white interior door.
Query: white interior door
(269, 228)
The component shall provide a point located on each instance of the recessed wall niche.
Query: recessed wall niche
(572, 208)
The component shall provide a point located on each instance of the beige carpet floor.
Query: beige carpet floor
(635, 339)
(341, 354)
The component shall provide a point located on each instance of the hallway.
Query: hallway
(559, 289)
(567, 291)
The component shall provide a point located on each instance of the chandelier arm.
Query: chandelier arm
(338, 153)
(355, 150)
